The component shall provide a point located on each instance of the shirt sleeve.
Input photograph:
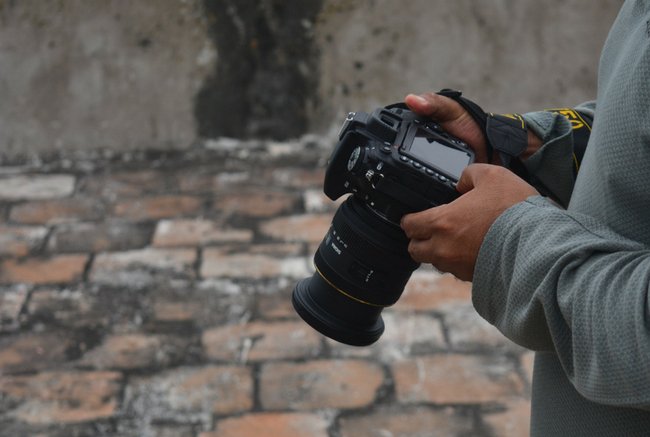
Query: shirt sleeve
(551, 168)
(558, 281)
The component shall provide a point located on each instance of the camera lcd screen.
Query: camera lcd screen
(445, 158)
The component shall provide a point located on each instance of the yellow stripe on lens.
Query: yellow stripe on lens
(348, 295)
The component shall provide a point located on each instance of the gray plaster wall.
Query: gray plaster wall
(111, 74)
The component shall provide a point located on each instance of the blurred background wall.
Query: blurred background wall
(97, 74)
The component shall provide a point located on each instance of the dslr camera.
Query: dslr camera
(392, 162)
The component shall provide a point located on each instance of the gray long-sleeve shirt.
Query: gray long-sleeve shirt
(574, 284)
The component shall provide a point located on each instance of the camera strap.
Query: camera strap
(506, 133)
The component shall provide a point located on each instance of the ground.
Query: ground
(148, 294)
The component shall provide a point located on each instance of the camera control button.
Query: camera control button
(404, 158)
(442, 178)
(417, 164)
(386, 149)
(429, 171)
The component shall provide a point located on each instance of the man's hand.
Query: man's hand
(456, 121)
(450, 236)
(453, 118)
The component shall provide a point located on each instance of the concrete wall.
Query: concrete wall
(98, 74)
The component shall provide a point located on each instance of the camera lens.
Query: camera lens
(362, 266)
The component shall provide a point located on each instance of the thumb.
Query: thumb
(471, 177)
(433, 105)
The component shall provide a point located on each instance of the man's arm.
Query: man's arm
(553, 280)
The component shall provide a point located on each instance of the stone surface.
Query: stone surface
(261, 341)
(36, 186)
(413, 422)
(102, 237)
(19, 241)
(33, 351)
(309, 227)
(134, 351)
(197, 392)
(178, 233)
(340, 384)
(152, 208)
(456, 379)
(143, 325)
(218, 263)
(61, 397)
(271, 424)
(58, 269)
(57, 211)
(130, 265)
(165, 73)
(12, 301)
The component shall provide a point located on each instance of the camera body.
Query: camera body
(393, 162)
(396, 161)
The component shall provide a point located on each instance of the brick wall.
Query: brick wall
(149, 295)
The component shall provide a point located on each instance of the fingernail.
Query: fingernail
(421, 100)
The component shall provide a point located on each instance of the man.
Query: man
(572, 284)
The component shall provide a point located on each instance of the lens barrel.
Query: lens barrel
(362, 266)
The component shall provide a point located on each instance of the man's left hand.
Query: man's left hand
(450, 236)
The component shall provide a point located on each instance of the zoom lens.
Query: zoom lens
(362, 266)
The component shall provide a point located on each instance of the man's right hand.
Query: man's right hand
(455, 120)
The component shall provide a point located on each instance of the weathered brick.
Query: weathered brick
(409, 422)
(171, 430)
(405, 334)
(207, 304)
(221, 263)
(191, 393)
(196, 232)
(96, 308)
(514, 421)
(58, 269)
(316, 201)
(428, 290)
(271, 424)
(276, 305)
(57, 211)
(308, 227)
(278, 250)
(33, 351)
(196, 180)
(320, 384)
(228, 181)
(133, 266)
(259, 341)
(125, 184)
(19, 241)
(158, 207)
(468, 331)
(255, 204)
(12, 300)
(69, 308)
(36, 186)
(99, 237)
(456, 379)
(299, 178)
(135, 351)
(62, 397)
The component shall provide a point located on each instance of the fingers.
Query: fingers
(471, 176)
(433, 105)
(416, 225)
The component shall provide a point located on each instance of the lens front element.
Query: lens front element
(362, 266)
